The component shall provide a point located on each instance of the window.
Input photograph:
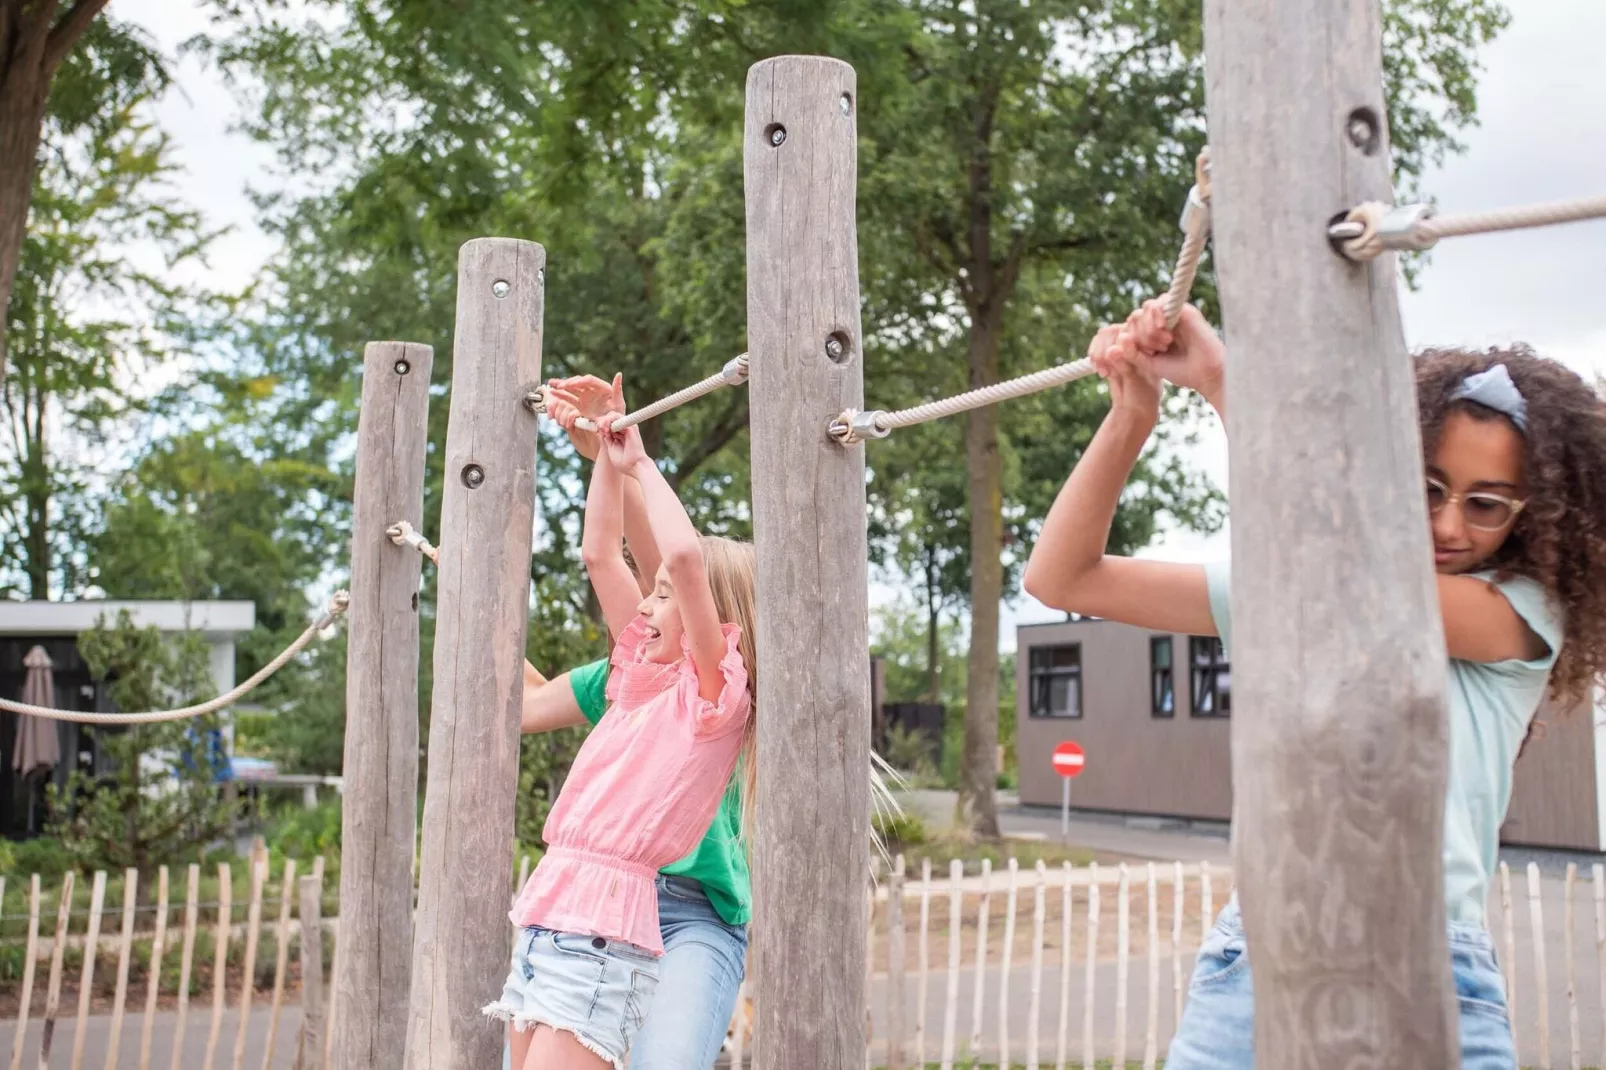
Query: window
(1055, 680)
(1162, 686)
(1211, 689)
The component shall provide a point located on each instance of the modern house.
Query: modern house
(1153, 713)
(55, 626)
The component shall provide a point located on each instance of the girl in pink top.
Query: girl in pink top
(646, 783)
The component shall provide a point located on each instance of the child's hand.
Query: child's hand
(624, 448)
(562, 410)
(1189, 354)
(1134, 380)
(583, 395)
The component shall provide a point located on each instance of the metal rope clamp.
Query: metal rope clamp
(1399, 228)
(854, 427)
(1195, 221)
(735, 371)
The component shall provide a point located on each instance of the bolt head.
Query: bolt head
(500, 288)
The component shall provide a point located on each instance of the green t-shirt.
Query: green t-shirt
(719, 862)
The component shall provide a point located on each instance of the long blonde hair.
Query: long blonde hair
(731, 569)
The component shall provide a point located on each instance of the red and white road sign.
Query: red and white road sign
(1069, 759)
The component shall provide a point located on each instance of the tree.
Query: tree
(160, 800)
(88, 318)
(36, 38)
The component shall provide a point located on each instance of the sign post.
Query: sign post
(1069, 760)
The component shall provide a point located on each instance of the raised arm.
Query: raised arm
(682, 552)
(602, 548)
(548, 704)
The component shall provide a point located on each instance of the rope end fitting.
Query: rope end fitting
(1369, 230)
(853, 427)
(535, 401)
(339, 603)
(735, 371)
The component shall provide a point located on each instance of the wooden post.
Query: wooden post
(58, 951)
(309, 1050)
(466, 859)
(805, 347)
(86, 982)
(1339, 739)
(153, 989)
(379, 810)
(281, 941)
(186, 962)
(125, 955)
(28, 971)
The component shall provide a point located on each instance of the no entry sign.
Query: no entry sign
(1069, 759)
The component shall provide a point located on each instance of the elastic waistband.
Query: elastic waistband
(595, 858)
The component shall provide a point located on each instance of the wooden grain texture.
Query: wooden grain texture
(1123, 960)
(1006, 963)
(154, 986)
(380, 804)
(1034, 1012)
(1598, 875)
(487, 512)
(1062, 1046)
(923, 986)
(86, 980)
(1178, 979)
(253, 937)
(813, 573)
(950, 1004)
(896, 966)
(125, 955)
(1089, 991)
(983, 916)
(309, 1049)
(26, 995)
(58, 951)
(192, 895)
(1569, 933)
(220, 959)
(281, 965)
(1339, 738)
(1536, 932)
(1151, 1027)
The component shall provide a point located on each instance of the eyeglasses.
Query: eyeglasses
(1481, 509)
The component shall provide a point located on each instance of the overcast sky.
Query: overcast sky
(1543, 136)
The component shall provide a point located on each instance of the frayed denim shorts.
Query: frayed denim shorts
(596, 989)
(1217, 1027)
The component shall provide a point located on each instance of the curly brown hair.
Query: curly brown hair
(1559, 540)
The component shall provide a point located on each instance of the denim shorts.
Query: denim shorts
(596, 989)
(1217, 1027)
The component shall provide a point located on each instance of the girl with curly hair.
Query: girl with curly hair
(1515, 479)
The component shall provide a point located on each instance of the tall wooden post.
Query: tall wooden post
(379, 817)
(811, 854)
(466, 858)
(1339, 737)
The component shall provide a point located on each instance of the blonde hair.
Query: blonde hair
(731, 568)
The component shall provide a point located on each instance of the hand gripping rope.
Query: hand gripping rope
(852, 427)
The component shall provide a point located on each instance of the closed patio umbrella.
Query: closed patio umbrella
(38, 746)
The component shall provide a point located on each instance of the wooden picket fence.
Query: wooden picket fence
(1010, 966)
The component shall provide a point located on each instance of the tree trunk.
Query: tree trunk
(36, 491)
(978, 773)
(933, 630)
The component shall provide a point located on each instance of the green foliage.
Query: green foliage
(159, 802)
(302, 834)
(899, 831)
(44, 855)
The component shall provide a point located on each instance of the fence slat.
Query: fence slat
(1089, 986)
(1178, 901)
(1062, 1049)
(86, 983)
(981, 960)
(1207, 905)
(1599, 873)
(27, 973)
(1509, 924)
(1536, 921)
(1035, 1006)
(922, 988)
(1007, 960)
(192, 909)
(58, 950)
(739, 1028)
(1572, 970)
(125, 952)
(282, 959)
(956, 907)
(153, 988)
(895, 966)
(1151, 1040)
(312, 1021)
(869, 955)
(220, 959)
(253, 933)
(1123, 951)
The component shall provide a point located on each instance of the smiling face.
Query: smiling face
(661, 613)
(1478, 468)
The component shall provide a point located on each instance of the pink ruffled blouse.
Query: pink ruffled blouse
(640, 795)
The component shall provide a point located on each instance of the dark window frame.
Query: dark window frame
(1162, 678)
(1209, 678)
(1041, 672)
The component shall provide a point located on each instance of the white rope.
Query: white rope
(337, 606)
(734, 373)
(853, 427)
(1373, 228)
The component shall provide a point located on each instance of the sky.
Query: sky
(1542, 136)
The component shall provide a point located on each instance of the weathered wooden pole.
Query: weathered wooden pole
(1339, 737)
(466, 856)
(379, 814)
(811, 855)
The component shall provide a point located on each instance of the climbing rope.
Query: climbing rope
(337, 606)
(853, 427)
(734, 373)
(402, 534)
(1368, 230)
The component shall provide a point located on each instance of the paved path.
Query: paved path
(98, 1032)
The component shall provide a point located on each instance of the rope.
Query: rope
(853, 427)
(337, 606)
(402, 534)
(734, 373)
(1373, 228)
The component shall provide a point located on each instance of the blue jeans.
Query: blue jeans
(1217, 1027)
(700, 976)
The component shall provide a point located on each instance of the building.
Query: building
(1153, 712)
(55, 626)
